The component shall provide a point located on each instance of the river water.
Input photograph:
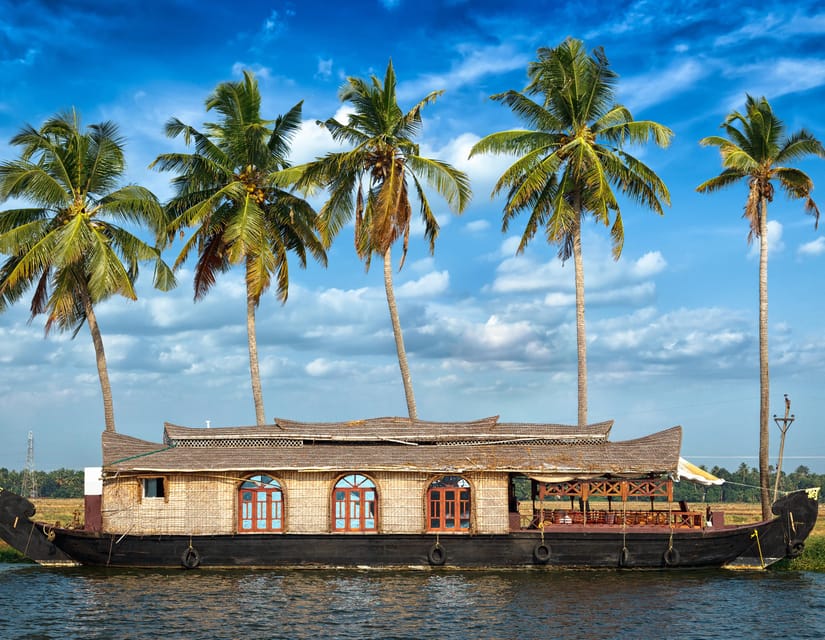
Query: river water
(43, 604)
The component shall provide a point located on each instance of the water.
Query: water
(44, 604)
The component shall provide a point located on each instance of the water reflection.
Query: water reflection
(87, 603)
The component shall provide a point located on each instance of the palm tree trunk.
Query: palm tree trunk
(581, 338)
(399, 338)
(254, 371)
(100, 358)
(764, 378)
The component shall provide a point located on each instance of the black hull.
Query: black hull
(573, 546)
(26, 536)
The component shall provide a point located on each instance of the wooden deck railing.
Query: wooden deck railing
(563, 517)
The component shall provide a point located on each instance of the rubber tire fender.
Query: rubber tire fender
(190, 558)
(437, 555)
(624, 557)
(541, 553)
(671, 557)
(795, 548)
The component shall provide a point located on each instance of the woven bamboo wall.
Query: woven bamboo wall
(307, 501)
(193, 504)
(401, 501)
(207, 503)
(490, 509)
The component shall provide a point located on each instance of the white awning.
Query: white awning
(689, 471)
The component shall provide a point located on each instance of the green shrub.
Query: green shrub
(812, 559)
(7, 554)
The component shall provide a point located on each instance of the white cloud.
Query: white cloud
(260, 71)
(775, 244)
(423, 266)
(559, 299)
(710, 339)
(324, 68)
(501, 335)
(648, 265)
(522, 274)
(275, 25)
(601, 273)
(476, 63)
(483, 170)
(340, 300)
(773, 26)
(509, 246)
(775, 78)
(313, 141)
(477, 226)
(642, 91)
(432, 284)
(813, 248)
(322, 367)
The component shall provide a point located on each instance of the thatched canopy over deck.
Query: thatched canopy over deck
(398, 444)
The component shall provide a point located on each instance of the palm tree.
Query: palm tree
(227, 190)
(69, 247)
(371, 183)
(571, 159)
(756, 149)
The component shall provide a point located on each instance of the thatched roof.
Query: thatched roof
(397, 444)
(402, 430)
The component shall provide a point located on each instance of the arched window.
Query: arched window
(260, 505)
(354, 504)
(448, 504)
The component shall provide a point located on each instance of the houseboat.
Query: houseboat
(400, 493)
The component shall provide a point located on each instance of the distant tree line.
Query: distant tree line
(61, 483)
(742, 485)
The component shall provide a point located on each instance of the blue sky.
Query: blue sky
(672, 326)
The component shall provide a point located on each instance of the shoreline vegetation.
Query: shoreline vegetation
(66, 510)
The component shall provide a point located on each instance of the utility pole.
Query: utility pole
(29, 479)
(784, 424)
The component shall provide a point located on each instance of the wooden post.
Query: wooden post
(783, 427)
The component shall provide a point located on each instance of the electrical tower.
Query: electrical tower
(29, 479)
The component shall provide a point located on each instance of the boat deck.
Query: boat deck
(547, 518)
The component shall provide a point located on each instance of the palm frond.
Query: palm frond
(33, 182)
(284, 132)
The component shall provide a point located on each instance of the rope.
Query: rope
(755, 534)
(624, 524)
(31, 531)
(756, 486)
(140, 455)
